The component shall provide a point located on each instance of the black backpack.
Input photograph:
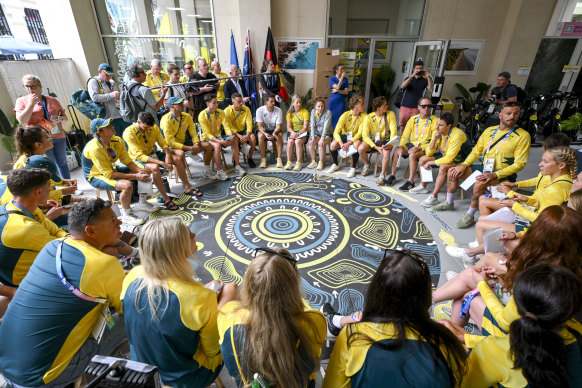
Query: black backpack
(399, 97)
(129, 103)
(520, 94)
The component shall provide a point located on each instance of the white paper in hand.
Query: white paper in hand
(496, 193)
(302, 135)
(492, 242)
(470, 181)
(426, 175)
(346, 154)
(144, 187)
(394, 140)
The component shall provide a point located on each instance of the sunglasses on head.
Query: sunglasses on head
(407, 252)
(283, 255)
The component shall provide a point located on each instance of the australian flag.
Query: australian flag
(248, 68)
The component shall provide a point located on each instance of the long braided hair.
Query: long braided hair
(566, 155)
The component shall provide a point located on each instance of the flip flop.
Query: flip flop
(193, 192)
(171, 205)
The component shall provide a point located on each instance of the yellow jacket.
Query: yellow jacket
(449, 146)
(372, 124)
(510, 157)
(211, 123)
(237, 121)
(298, 119)
(418, 131)
(152, 80)
(141, 145)
(349, 123)
(220, 92)
(175, 130)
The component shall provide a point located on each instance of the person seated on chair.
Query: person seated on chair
(55, 310)
(378, 129)
(447, 148)
(211, 120)
(319, 132)
(269, 120)
(32, 143)
(141, 139)
(238, 121)
(414, 142)
(24, 229)
(347, 133)
(271, 302)
(180, 133)
(395, 339)
(503, 149)
(101, 171)
(170, 318)
(297, 132)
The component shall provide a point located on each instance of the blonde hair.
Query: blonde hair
(271, 293)
(291, 107)
(565, 155)
(33, 78)
(575, 201)
(164, 246)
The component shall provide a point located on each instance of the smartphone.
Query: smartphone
(67, 200)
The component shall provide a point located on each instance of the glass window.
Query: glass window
(372, 17)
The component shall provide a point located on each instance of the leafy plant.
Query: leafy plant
(477, 94)
(382, 80)
(7, 129)
(572, 123)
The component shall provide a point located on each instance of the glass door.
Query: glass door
(354, 57)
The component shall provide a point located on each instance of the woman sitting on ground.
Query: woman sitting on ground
(272, 331)
(543, 348)
(170, 318)
(492, 314)
(560, 165)
(395, 340)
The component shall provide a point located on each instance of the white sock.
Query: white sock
(125, 212)
(471, 211)
(143, 198)
(336, 321)
(450, 197)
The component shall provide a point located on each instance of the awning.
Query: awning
(10, 45)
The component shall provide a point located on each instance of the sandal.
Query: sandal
(194, 192)
(171, 205)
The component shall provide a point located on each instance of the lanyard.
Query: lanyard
(156, 80)
(355, 121)
(446, 142)
(301, 121)
(386, 124)
(110, 151)
(106, 83)
(493, 136)
(24, 210)
(209, 119)
(64, 280)
(239, 112)
(179, 121)
(318, 119)
(142, 133)
(423, 129)
(545, 188)
(46, 112)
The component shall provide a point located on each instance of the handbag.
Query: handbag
(399, 97)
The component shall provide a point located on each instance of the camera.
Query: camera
(421, 72)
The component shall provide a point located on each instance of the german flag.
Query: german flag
(271, 53)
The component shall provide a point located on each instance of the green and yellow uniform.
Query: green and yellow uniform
(237, 121)
(510, 149)
(177, 129)
(211, 123)
(42, 161)
(99, 165)
(380, 127)
(349, 123)
(142, 143)
(550, 193)
(298, 119)
(156, 80)
(419, 131)
(5, 194)
(453, 147)
(220, 92)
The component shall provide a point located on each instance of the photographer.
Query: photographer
(414, 87)
(504, 91)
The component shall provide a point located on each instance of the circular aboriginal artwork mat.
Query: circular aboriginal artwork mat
(336, 229)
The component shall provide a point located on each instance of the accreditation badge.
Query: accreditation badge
(488, 165)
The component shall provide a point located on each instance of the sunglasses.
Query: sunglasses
(188, 68)
(425, 106)
(111, 153)
(407, 252)
(29, 86)
(283, 255)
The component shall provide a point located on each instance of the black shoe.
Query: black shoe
(252, 163)
(407, 186)
(390, 180)
(329, 312)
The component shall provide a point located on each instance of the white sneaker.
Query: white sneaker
(263, 163)
(451, 274)
(319, 166)
(429, 201)
(420, 189)
(221, 175)
(380, 180)
(334, 167)
(79, 192)
(288, 165)
(474, 244)
(279, 163)
(297, 167)
(131, 219)
(238, 170)
(365, 169)
(208, 174)
(459, 253)
(313, 164)
(352, 173)
(146, 206)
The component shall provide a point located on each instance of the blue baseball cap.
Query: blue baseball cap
(174, 101)
(96, 124)
(106, 68)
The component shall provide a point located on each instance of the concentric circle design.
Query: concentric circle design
(364, 196)
(311, 230)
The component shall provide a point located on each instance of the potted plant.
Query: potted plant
(7, 131)
(477, 94)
